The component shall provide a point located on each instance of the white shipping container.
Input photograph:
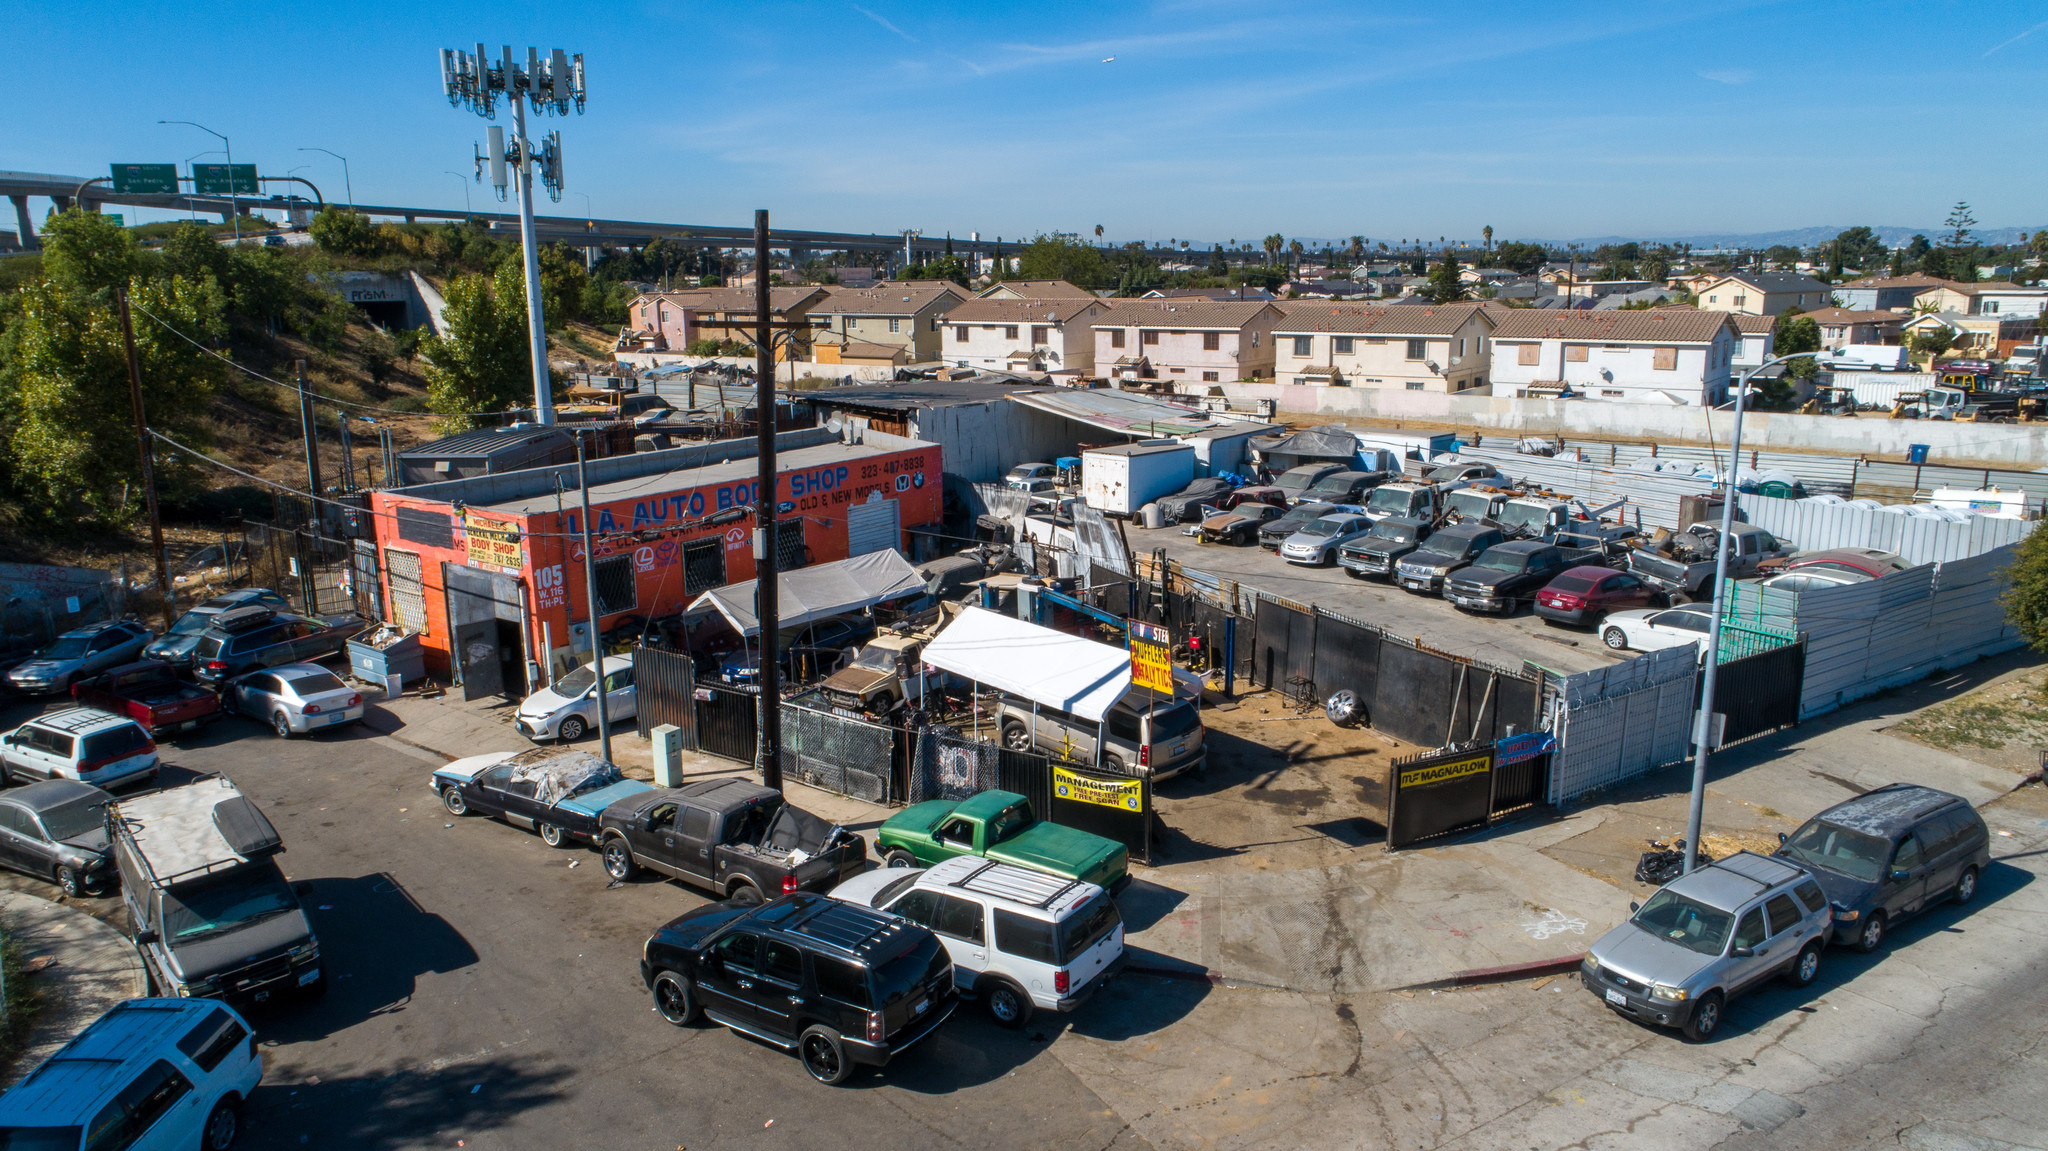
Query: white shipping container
(1118, 481)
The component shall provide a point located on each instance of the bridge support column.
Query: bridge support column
(63, 203)
(24, 225)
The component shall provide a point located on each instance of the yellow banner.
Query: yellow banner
(1124, 795)
(1151, 667)
(492, 543)
(1443, 772)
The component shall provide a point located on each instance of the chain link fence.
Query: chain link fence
(838, 753)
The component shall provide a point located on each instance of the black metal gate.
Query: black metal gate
(1466, 786)
(1760, 693)
(664, 685)
(1284, 645)
(728, 722)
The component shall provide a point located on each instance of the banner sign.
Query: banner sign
(1522, 748)
(1122, 794)
(1151, 657)
(492, 543)
(1436, 773)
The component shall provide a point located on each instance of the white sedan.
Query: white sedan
(1652, 629)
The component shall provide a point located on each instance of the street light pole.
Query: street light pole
(234, 208)
(767, 558)
(351, 188)
(1703, 723)
(467, 211)
(604, 723)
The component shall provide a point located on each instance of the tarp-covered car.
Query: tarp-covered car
(559, 792)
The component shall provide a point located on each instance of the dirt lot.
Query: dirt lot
(2002, 724)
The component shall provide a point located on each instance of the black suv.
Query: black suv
(244, 639)
(1889, 853)
(837, 983)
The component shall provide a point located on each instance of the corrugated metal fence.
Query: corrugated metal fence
(1617, 722)
(1900, 483)
(1814, 526)
(1652, 496)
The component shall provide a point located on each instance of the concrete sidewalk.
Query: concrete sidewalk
(86, 967)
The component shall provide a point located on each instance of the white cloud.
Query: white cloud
(883, 23)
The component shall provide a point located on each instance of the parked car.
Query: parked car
(1297, 481)
(1889, 853)
(1345, 487)
(1185, 504)
(1318, 540)
(1275, 532)
(999, 825)
(296, 698)
(1682, 566)
(1870, 563)
(1377, 551)
(57, 830)
(1160, 739)
(1652, 629)
(1427, 568)
(1023, 476)
(1240, 525)
(1254, 494)
(80, 652)
(1707, 937)
(734, 837)
(175, 647)
(244, 639)
(1807, 579)
(557, 792)
(1508, 574)
(149, 1074)
(1467, 472)
(567, 708)
(1586, 595)
(818, 648)
(1021, 940)
(840, 985)
(81, 743)
(151, 694)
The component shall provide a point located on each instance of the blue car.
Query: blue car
(175, 647)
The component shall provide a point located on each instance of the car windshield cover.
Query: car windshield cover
(1399, 533)
(1503, 561)
(1687, 922)
(1087, 926)
(65, 647)
(40, 1138)
(1571, 583)
(876, 659)
(200, 910)
(314, 682)
(192, 623)
(910, 969)
(79, 817)
(1838, 849)
(576, 682)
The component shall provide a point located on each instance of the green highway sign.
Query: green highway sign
(224, 179)
(120, 221)
(146, 179)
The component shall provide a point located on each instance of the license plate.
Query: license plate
(309, 976)
(337, 717)
(921, 1005)
(260, 996)
(1617, 998)
(188, 725)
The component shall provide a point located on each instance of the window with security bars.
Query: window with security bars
(703, 565)
(790, 552)
(617, 590)
(408, 591)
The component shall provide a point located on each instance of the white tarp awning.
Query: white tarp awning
(815, 593)
(1050, 667)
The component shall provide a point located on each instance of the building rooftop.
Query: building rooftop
(483, 441)
(1645, 326)
(910, 395)
(1777, 281)
(1035, 310)
(740, 300)
(1410, 320)
(892, 298)
(1040, 289)
(667, 481)
(1181, 313)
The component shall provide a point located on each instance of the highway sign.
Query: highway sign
(119, 220)
(146, 179)
(224, 179)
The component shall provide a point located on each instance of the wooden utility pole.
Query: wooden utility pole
(148, 456)
(769, 751)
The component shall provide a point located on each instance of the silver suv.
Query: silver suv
(1160, 741)
(1708, 937)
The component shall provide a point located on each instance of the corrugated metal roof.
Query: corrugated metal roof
(1117, 411)
(483, 441)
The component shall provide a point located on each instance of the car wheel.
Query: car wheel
(571, 729)
(1705, 1019)
(824, 1056)
(451, 798)
(897, 857)
(222, 1125)
(618, 860)
(673, 999)
(1676, 599)
(1872, 936)
(745, 894)
(551, 835)
(1966, 886)
(1016, 737)
(1614, 639)
(1804, 968)
(1115, 763)
(1009, 1006)
(71, 882)
(282, 725)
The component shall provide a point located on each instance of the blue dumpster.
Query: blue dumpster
(387, 652)
(1916, 453)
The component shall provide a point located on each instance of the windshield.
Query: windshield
(1334, 486)
(1300, 516)
(576, 682)
(876, 658)
(79, 817)
(1571, 583)
(1390, 500)
(1838, 849)
(1399, 533)
(192, 623)
(238, 900)
(1524, 516)
(65, 647)
(1470, 503)
(1499, 561)
(1325, 527)
(1295, 481)
(1689, 923)
(313, 682)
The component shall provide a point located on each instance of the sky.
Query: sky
(1213, 122)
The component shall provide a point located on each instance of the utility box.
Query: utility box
(668, 755)
(1118, 481)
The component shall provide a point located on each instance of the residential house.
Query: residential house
(1763, 293)
(1755, 337)
(1240, 292)
(1185, 340)
(1008, 334)
(1035, 290)
(1883, 293)
(669, 321)
(1653, 355)
(1986, 336)
(1840, 327)
(895, 313)
(1425, 348)
(1993, 298)
(1638, 298)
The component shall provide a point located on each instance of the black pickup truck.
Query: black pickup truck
(738, 839)
(1509, 573)
(1383, 546)
(1426, 569)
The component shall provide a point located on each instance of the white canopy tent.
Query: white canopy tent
(1050, 668)
(819, 592)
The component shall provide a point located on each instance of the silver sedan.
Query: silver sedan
(1317, 542)
(296, 698)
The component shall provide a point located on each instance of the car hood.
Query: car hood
(1429, 559)
(42, 668)
(1846, 890)
(177, 646)
(1056, 848)
(1224, 520)
(1641, 955)
(201, 958)
(1305, 542)
(544, 702)
(465, 769)
(596, 802)
(857, 680)
(1380, 545)
(94, 841)
(1486, 577)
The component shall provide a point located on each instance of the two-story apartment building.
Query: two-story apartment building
(1035, 290)
(1883, 293)
(1763, 293)
(1999, 298)
(1185, 340)
(1840, 327)
(670, 321)
(1055, 336)
(1655, 355)
(894, 313)
(1754, 338)
(1417, 347)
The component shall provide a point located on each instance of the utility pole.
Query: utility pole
(142, 449)
(604, 719)
(311, 434)
(766, 537)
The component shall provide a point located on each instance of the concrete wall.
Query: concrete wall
(2022, 446)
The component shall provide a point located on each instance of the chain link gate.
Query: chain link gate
(838, 753)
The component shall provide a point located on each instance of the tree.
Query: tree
(944, 268)
(484, 362)
(1295, 249)
(2038, 243)
(1654, 266)
(1794, 333)
(1931, 342)
(1519, 257)
(1058, 258)
(2026, 590)
(1218, 266)
(1273, 244)
(343, 231)
(1959, 223)
(1859, 247)
(1487, 231)
(1357, 249)
(1444, 284)
(1098, 231)
(85, 253)
(1782, 254)
(192, 252)
(1937, 263)
(1418, 264)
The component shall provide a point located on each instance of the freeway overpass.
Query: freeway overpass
(64, 191)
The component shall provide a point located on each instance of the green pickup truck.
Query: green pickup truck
(999, 825)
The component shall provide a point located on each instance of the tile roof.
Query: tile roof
(1914, 280)
(1750, 325)
(1777, 281)
(1181, 313)
(1640, 326)
(1988, 286)
(741, 300)
(1042, 289)
(1409, 320)
(891, 298)
(1209, 293)
(1849, 316)
(1041, 310)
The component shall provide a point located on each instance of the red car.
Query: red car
(1582, 595)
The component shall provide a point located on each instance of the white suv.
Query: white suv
(81, 743)
(150, 1073)
(1019, 939)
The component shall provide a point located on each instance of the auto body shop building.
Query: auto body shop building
(491, 567)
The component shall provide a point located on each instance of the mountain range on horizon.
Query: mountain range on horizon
(1894, 236)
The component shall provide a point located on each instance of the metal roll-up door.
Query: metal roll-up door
(872, 527)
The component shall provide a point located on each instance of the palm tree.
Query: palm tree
(1098, 231)
(1487, 231)
(1295, 249)
(1273, 244)
(1357, 248)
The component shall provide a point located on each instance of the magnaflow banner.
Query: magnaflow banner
(1439, 792)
